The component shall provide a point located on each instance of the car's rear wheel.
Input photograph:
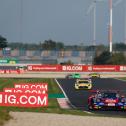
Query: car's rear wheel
(90, 107)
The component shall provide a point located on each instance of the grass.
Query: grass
(53, 106)
(123, 78)
(9, 83)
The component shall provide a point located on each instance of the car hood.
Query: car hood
(84, 84)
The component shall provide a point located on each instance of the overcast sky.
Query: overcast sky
(60, 20)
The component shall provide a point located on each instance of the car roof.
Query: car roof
(108, 91)
(94, 73)
(76, 74)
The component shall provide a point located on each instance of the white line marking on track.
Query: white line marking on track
(61, 88)
(68, 98)
(65, 94)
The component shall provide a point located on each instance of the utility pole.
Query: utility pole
(110, 26)
(94, 32)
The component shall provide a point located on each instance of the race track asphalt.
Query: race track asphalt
(79, 98)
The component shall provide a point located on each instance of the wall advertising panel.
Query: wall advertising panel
(78, 68)
(11, 71)
(20, 90)
(70, 68)
(43, 67)
(102, 68)
(42, 86)
(23, 100)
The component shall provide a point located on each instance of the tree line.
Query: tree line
(102, 55)
(54, 45)
(107, 58)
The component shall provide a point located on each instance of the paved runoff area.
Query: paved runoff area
(44, 119)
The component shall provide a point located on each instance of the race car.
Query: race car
(83, 84)
(74, 75)
(106, 100)
(94, 75)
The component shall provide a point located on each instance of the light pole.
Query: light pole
(110, 26)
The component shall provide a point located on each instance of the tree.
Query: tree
(99, 49)
(49, 45)
(52, 45)
(103, 58)
(117, 59)
(119, 47)
(59, 45)
(3, 42)
(110, 59)
(69, 62)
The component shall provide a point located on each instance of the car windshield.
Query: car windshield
(80, 82)
(76, 74)
(109, 95)
(95, 73)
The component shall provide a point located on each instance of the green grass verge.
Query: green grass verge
(53, 106)
(122, 78)
(9, 82)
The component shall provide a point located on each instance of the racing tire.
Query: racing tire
(90, 107)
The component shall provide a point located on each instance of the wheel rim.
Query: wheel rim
(90, 107)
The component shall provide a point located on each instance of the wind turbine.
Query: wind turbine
(92, 7)
(21, 20)
(118, 2)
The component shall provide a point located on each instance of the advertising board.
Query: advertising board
(23, 100)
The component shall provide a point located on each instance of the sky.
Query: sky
(34, 21)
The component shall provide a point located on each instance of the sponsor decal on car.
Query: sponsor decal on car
(111, 104)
